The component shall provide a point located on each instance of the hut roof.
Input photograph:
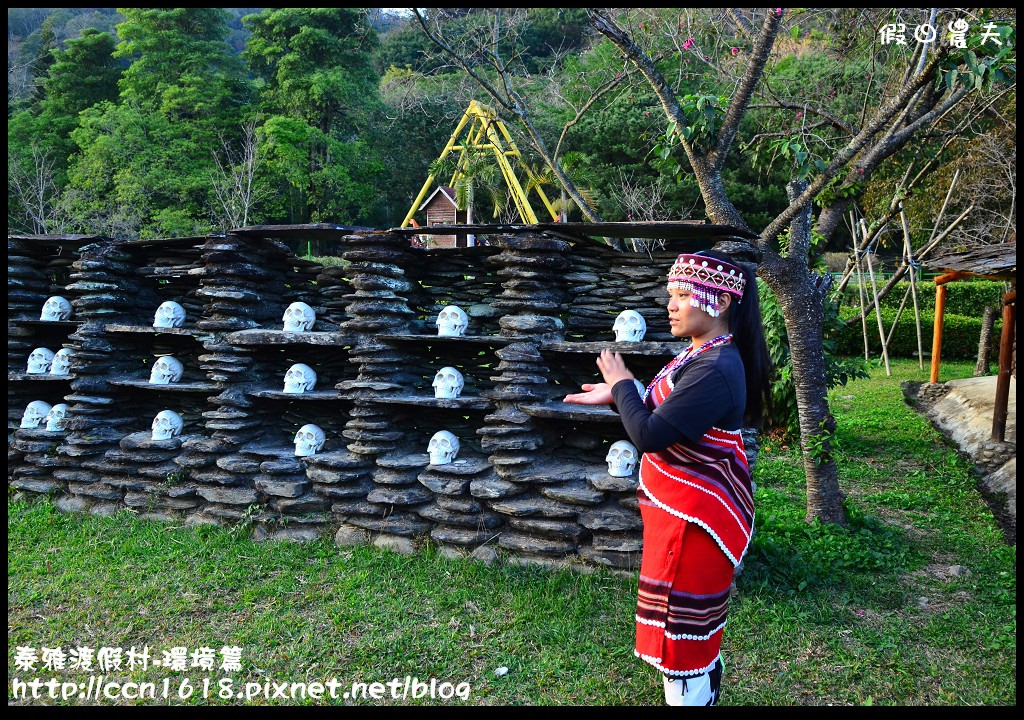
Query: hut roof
(446, 192)
(996, 262)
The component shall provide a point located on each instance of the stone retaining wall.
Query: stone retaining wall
(530, 478)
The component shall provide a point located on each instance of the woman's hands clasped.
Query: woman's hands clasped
(613, 369)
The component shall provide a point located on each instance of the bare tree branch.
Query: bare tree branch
(741, 21)
(741, 97)
(882, 116)
(831, 118)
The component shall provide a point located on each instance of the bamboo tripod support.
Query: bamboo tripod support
(878, 308)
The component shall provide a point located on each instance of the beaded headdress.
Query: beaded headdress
(705, 277)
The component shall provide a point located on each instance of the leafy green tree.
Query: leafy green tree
(82, 75)
(145, 163)
(39, 140)
(319, 93)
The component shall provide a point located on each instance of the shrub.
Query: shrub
(968, 298)
(960, 334)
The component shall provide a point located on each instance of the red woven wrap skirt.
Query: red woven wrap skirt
(683, 601)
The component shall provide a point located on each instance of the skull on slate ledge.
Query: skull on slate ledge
(169, 315)
(61, 364)
(56, 308)
(166, 424)
(55, 416)
(621, 459)
(629, 326)
(452, 321)
(35, 414)
(309, 440)
(39, 361)
(448, 383)
(299, 379)
(443, 448)
(166, 370)
(299, 317)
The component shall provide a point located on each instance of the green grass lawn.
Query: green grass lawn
(868, 614)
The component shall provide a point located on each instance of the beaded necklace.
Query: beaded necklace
(684, 357)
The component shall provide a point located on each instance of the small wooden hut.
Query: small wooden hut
(991, 262)
(441, 209)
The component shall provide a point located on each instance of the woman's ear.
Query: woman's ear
(724, 302)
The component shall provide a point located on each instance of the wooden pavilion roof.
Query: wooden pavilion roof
(995, 262)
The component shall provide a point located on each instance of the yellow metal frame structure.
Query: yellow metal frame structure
(486, 132)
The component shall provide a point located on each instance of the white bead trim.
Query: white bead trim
(656, 662)
(703, 490)
(697, 521)
(681, 636)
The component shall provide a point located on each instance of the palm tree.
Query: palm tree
(474, 172)
(573, 165)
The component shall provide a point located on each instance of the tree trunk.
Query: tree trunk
(800, 294)
(985, 343)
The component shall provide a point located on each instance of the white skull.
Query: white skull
(166, 425)
(54, 417)
(56, 308)
(448, 383)
(621, 459)
(61, 364)
(443, 448)
(629, 326)
(39, 361)
(452, 322)
(299, 317)
(308, 440)
(299, 379)
(35, 413)
(166, 370)
(169, 315)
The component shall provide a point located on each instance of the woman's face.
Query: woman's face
(686, 320)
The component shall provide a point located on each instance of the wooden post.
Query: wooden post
(1005, 357)
(940, 310)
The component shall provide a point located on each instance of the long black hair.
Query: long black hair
(747, 330)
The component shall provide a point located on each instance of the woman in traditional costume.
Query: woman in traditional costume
(696, 498)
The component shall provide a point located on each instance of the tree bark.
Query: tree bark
(802, 295)
(985, 343)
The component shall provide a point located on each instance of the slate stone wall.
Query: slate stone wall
(530, 478)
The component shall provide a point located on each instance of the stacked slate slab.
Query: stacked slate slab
(33, 458)
(390, 506)
(37, 268)
(532, 268)
(100, 286)
(376, 270)
(604, 282)
(333, 286)
(460, 520)
(143, 469)
(122, 285)
(28, 287)
(446, 277)
(247, 282)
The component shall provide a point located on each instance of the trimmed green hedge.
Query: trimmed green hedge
(960, 334)
(968, 298)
